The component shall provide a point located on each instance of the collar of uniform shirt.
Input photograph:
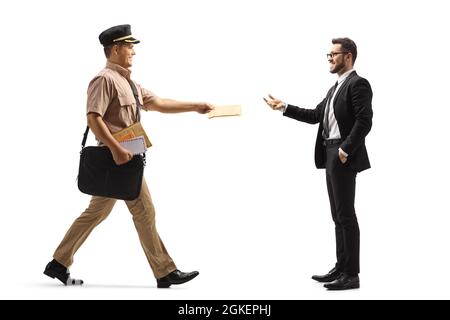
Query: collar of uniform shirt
(124, 72)
(344, 76)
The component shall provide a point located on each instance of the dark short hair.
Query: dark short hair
(347, 45)
(107, 49)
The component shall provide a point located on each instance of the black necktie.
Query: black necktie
(326, 125)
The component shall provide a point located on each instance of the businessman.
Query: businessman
(345, 119)
(112, 106)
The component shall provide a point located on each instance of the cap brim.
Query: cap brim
(128, 39)
(131, 40)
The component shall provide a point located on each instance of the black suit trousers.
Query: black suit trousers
(341, 182)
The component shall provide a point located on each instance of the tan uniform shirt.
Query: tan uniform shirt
(110, 96)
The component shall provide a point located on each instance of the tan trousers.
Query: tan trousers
(144, 219)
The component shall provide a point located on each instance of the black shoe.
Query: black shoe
(332, 275)
(176, 277)
(54, 269)
(344, 282)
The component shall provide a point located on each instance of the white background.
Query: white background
(238, 198)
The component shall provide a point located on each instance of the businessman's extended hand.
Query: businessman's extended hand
(274, 103)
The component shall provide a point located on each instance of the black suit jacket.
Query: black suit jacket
(353, 112)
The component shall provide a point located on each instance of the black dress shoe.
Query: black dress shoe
(344, 282)
(176, 277)
(54, 269)
(332, 275)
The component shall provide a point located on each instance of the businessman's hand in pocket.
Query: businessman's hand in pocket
(342, 157)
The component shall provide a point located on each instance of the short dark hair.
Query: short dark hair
(347, 45)
(107, 50)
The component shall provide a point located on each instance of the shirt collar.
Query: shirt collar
(123, 72)
(345, 76)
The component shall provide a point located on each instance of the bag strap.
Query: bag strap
(84, 137)
(136, 97)
(138, 110)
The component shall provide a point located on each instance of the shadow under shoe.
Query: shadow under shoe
(54, 269)
(332, 275)
(176, 277)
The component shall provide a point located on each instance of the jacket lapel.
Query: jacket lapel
(351, 75)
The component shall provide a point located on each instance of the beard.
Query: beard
(338, 67)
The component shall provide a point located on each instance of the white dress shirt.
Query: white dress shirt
(332, 123)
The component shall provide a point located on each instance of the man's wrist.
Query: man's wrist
(199, 106)
(283, 108)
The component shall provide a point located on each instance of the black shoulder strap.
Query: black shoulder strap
(138, 109)
(136, 96)
(85, 137)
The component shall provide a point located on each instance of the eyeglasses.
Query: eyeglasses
(332, 54)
